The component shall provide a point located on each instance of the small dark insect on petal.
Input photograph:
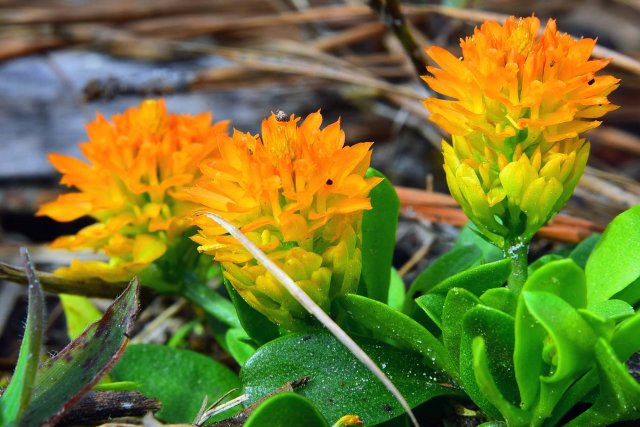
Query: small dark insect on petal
(281, 116)
(329, 181)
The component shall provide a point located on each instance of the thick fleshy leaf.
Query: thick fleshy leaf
(601, 326)
(562, 278)
(214, 304)
(343, 386)
(62, 379)
(572, 336)
(456, 304)
(581, 253)
(626, 339)
(580, 391)
(257, 326)
(619, 395)
(468, 236)
(488, 387)
(16, 398)
(238, 344)
(388, 324)
(527, 356)
(432, 305)
(496, 330)
(179, 378)
(396, 291)
(379, 237)
(477, 279)
(286, 409)
(447, 265)
(613, 264)
(503, 299)
(543, 260)
(613, 309)
(630, 294)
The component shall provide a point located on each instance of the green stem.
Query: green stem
(518, 252)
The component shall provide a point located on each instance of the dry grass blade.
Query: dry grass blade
(314, 309)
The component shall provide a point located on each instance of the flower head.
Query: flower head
(136, 165)
(299, 194)
(519, 104)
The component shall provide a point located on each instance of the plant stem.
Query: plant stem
(390, 13)
(518, 252)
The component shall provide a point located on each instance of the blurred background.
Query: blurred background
(61, 61)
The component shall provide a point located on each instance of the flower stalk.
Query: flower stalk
(518, 253)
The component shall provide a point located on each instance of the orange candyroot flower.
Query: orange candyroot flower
(519, 104)
(136, 165)
(299, 194)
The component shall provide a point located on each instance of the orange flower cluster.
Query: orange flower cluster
(136, 167)
(519, 104)
(299, 194)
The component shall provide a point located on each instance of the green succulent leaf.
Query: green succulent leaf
(343, 386)
(432, 305)
(562, 278)
(477, 279)
(581, 253)
(613, 264)
(488, 387)
(286, 409)
(630, 294)
(565, 280)
(16, 398)
(447, 265)
(468, 237)
(456, 305)
(257, 326)
(503, 299)
(63, 379)
(572, 336)
(214, 304)
(497, 331)
(396, 291)
(239, 345)
(378, 237)
(619, 395)
(601, 326)
(613, 309)
(542, 261)
(626, 339)
(625, 342)
(180, 379)
(388, 324)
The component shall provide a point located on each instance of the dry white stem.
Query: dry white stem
(316, 311)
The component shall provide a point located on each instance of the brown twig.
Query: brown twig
(100, 406)
(55, 284)
(443, 208)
